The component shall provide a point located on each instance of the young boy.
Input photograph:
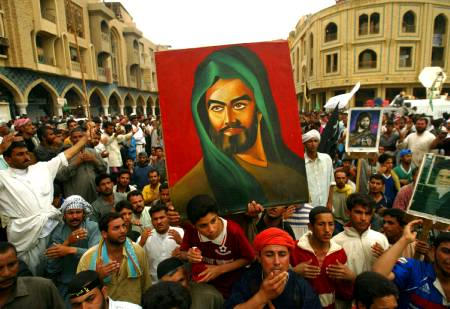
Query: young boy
(217, 248)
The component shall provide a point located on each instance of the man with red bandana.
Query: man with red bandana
(269, 282)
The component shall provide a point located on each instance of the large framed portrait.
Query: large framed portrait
(431, 197)
(363, 130)
(231, 125)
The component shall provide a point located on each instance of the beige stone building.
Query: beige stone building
(41, 69)
(384, 44)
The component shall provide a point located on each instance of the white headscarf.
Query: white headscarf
(76, 202)
(309, 135)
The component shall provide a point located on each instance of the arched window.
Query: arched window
(363, 24)
(374, 23)
(409, 22)
(331, 31)
(311, 54)
(439, 42)
(115, 55)
(104, 26)
(135, 45)
(311, 42)
(367, 59)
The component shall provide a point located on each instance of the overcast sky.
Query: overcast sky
(194, 23)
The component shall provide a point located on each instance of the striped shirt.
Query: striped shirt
(300, 219)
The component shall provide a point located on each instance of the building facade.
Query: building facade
(384, 44)
(41, 61)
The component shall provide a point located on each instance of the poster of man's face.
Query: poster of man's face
(431, 197)
(231, 126)
(364, 126)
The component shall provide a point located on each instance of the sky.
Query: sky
(196, 23)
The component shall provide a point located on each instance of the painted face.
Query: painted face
(323, 227)
(365, 123)
(138, 203)
(94, 299)
(160, 221)
(209, 226)
(231, 111)
(74, 217)
(360, 218)
(274, 258)
(392, 229)
(9, 268)
(443, 178)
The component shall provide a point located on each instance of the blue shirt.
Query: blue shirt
(418, 285)
(297, 293)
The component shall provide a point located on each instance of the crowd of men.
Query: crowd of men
(87, 221)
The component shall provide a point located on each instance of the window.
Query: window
(331, 32)
(311, 47)
(114, 56)
(332, 63)
(74, 19)
(439, 34)
(74, 54)
(405, 57)
(409, 22)
(311, 67)
(363, 24)
(367, 60)
(374, 23)
(297, 64)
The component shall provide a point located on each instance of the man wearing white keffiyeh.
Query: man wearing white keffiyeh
(69, 241)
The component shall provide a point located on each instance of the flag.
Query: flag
(330, 135)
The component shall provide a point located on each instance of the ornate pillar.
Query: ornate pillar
(22, 107)
(133, 107)
(59, 106)
(105, 109)
(121, 109)
(153, 110)
(144, 107)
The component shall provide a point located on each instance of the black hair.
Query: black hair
(163, 186)
(370, 286)
(159, 147)
(42, 132)
(77, 129)
(199, 206)
(317, 211)
(442, 237)
(14, 145)
(423, 118)
(103, 223)
(377, 177)
(97, 119)
(70, 121)
(83, 279)
(384, 157)
(361, 199)
(340, 171)
(5, 246)
(158, 207)
(165, 295)
(123, 171)
(389, 122)
(152, 171)
(396, 213)
(134, 193)
(123, 204)
(107, 124)
(100, 177)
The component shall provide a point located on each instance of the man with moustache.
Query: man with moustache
(47, 149)
(86, 290)
(24, 292)
(270, 282)
(69, 241)
(141, 217)
(163, 239)
(107, 198)
(120, 263)
(240, 135)
(321, 261)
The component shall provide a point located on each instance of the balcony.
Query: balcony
(76, 66)
(101, 71)
(409, 28)
(105, 37)
(133, 81)
(405, 62)
(330, 37)
(368, 64)
(42, 59)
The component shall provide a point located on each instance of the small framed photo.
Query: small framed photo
(363, 130)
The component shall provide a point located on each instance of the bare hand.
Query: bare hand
(59, 250)
(175, 236)
(194, 255)
(88, 157)
(76, 236)
(176, 252)
(146, 233)
(210, 273)
(105, 270)
(422, 247)
(307, 270)
(340, 271)
(173, 215)
(377, 250)
(408, 233)
(6, 142)
(273, 285)
(290, 210)
(254, 209)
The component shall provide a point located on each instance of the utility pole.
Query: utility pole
(71, 17)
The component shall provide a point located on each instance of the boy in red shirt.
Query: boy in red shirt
(217, 248)
(322, 261)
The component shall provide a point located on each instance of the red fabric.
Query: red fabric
(273, 236)
(21, 122)
(237, 245)
(323, 284)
